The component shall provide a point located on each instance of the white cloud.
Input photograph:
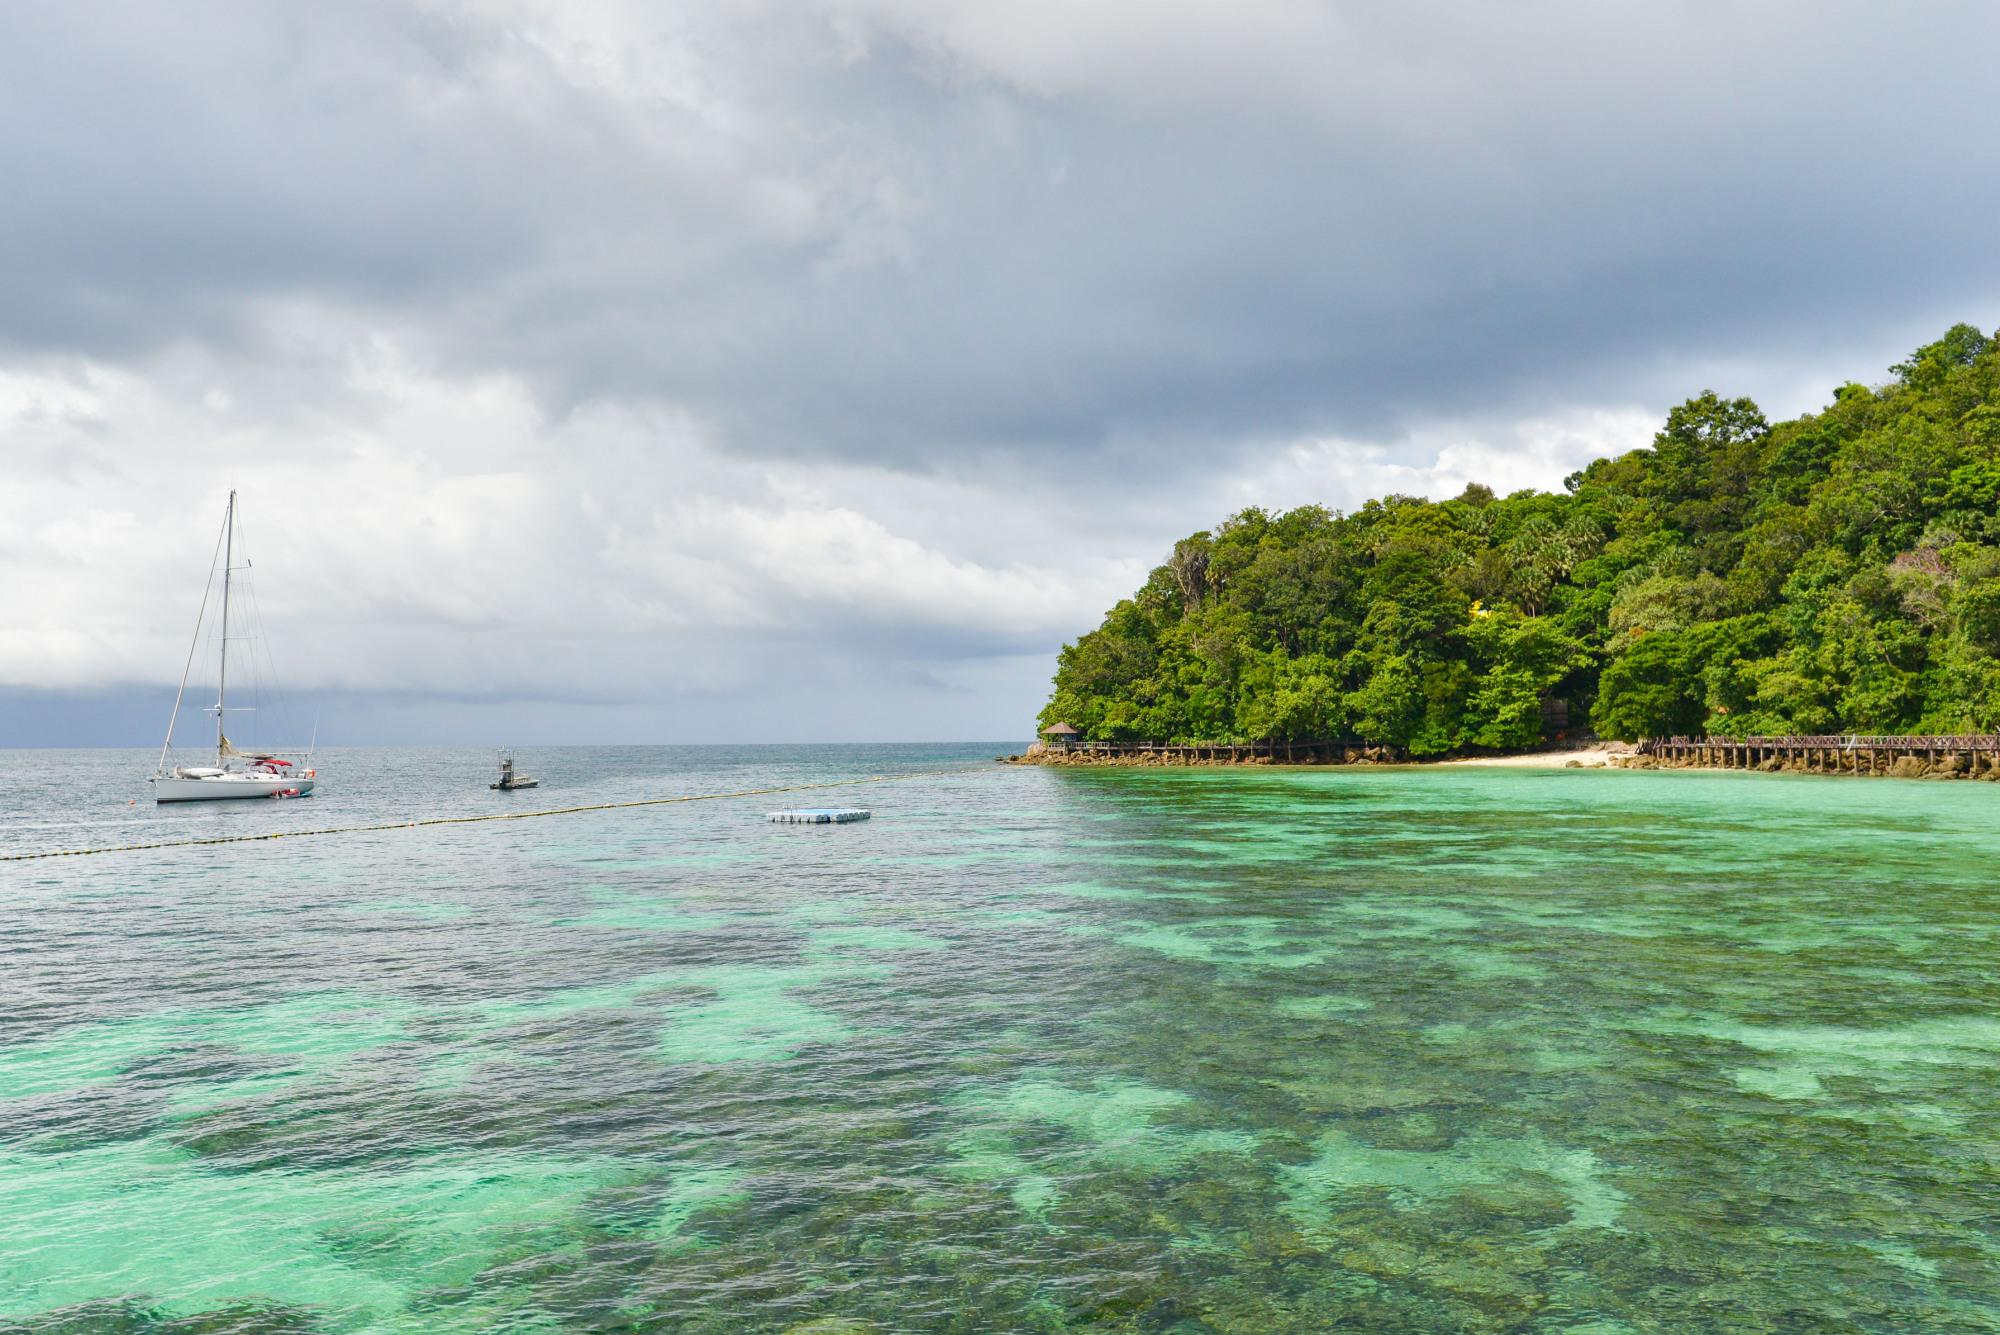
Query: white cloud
(445, 537)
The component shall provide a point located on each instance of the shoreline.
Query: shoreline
(1945, 764)
(1605, 755)
(1600, 755)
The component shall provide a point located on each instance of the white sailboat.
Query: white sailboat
(234, 774)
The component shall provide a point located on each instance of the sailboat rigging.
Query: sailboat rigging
(234, 774)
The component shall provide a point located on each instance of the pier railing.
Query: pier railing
(1851, 753)
(1208, 753)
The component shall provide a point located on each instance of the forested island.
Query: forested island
(1838, 572)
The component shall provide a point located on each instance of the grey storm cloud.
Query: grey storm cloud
(903, 232)
(891, 339)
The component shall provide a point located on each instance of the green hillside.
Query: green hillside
(1838, 572)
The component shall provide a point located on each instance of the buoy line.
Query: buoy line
(475, 820)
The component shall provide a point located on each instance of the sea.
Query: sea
(1375, 1049)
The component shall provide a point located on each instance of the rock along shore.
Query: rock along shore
(1609, 755)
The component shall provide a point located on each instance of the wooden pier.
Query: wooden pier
(1964, 755)
(1218, 753)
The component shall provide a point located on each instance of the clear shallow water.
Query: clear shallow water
(1032, 1050)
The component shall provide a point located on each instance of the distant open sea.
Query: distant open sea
(1032, 1050)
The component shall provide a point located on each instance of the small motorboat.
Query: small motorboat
(509, 780)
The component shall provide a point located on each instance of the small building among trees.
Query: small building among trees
(1061, 735)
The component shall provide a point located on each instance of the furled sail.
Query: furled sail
(226, 747)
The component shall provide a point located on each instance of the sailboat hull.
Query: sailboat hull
(228, 787)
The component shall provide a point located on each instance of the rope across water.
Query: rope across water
(475, 820)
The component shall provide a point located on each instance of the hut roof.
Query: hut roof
(1061, 730)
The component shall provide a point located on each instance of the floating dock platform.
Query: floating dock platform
(820, 816)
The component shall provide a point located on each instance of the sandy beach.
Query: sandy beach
(1592, 757)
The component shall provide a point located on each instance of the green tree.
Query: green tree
(1519, 661)
(1837, 571)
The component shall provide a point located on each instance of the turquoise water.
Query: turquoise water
(1388, 1050)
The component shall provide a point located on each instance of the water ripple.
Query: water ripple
(1429, 1051)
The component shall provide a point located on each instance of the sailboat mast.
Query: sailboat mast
(194, 643)
(222, 670)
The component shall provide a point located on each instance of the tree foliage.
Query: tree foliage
(1838, 571)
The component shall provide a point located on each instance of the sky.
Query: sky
(812, 371)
